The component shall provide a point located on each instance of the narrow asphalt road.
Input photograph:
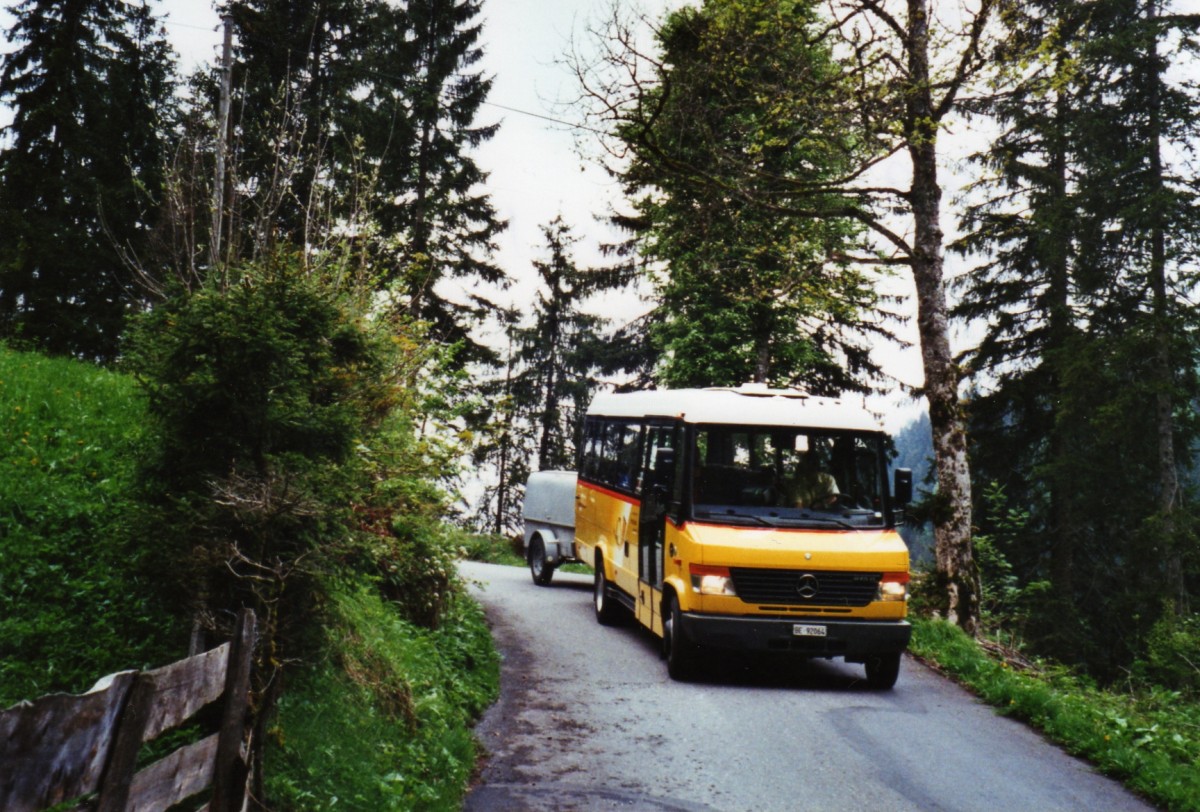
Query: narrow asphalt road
(588, 720)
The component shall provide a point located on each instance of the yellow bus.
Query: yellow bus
(745, 520)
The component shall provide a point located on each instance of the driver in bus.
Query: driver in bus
(809, 486)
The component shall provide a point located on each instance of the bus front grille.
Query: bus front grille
(805, 587)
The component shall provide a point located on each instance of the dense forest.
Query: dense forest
(292, 252)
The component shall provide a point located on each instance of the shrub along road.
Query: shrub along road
(588, 719)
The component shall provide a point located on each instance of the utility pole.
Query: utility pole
(218, 194)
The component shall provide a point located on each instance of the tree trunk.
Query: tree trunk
(1164, 413)
(550, 409)
(1061, 326)
(955, 556)
(502, 485)
(762, 361)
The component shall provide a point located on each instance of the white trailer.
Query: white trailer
(549, 514)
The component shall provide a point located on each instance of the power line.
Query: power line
(172, 23)
(545, 118)
(164, 20)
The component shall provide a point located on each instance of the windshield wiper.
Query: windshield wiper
(709, 514)
(822, 520)
(776, 521)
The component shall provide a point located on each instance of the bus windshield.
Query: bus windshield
(788, 476)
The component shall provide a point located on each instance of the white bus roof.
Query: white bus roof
(747, 405)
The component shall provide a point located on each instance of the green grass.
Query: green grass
(383, 723)
(1147, 737)
(492, 549)
(70, 608)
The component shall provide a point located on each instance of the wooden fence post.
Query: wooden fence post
(122, 758)
(231, 769)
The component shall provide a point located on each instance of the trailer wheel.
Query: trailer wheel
(538, 568)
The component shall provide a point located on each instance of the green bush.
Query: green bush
(262, 387)
(273, 393)
(1173, 653)
(418, 573)
(492, 549)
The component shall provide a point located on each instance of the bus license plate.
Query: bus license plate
(804, 630)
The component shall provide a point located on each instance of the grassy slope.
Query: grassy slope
(382, 723)
(70, 610)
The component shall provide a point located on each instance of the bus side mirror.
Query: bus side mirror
(903, 488)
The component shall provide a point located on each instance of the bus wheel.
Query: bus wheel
(538, 568)
(606, 608)
(681, 654)
(882, 670)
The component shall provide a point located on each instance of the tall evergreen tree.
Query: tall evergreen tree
(447, 224)
(1074, 291)
(1028, 230)
(746, 293)
(1151, 212)
(539, 406)
(318, 103)
(555, 350)
(378, 98)
(506, 443)
(90, 85)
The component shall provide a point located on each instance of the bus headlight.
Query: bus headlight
(893, 586)
(711, 580)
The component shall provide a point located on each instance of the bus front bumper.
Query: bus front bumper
(801, 636)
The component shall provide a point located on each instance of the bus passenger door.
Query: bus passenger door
(658, 481)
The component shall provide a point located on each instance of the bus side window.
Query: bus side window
(606, 459)
(659, 456)
(679, 486)
(590, 465)
(628, 469)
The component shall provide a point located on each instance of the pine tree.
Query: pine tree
(90, 85)
(746, 293)
(554, 383)
(448, 224)
(380, 98)
(1151, 213)
(1028, 230)
(506, 443)
(1073, 290)
(310, 94)
(540, 403)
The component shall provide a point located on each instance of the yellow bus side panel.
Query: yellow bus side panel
(585, 534)
(649, 607)
(608, 522)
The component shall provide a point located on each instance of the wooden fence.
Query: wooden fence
(64, 748)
